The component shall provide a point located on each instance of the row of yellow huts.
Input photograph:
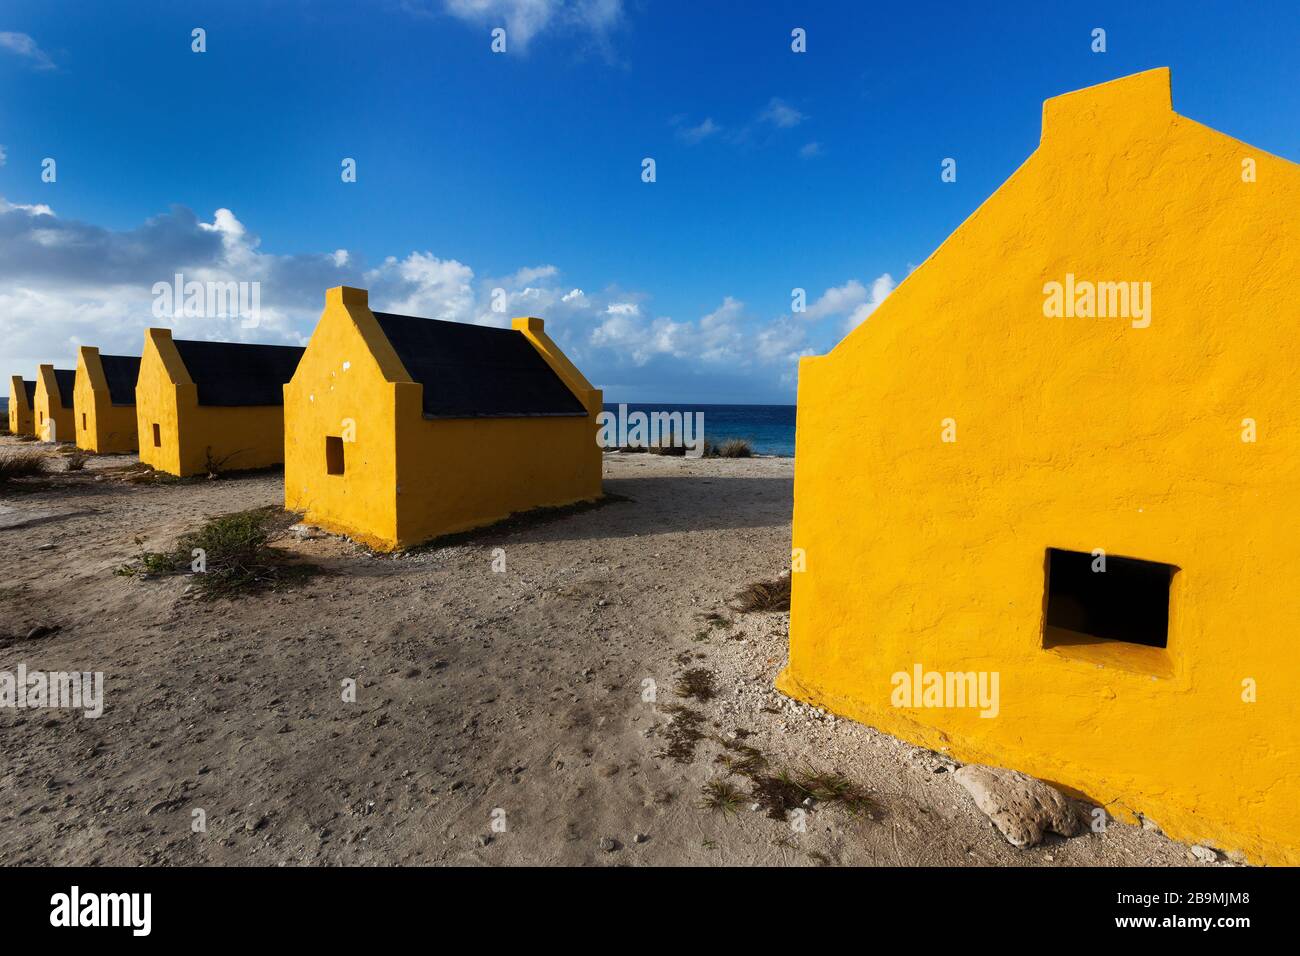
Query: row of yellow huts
(392, 429)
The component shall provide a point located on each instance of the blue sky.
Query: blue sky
(522, 171)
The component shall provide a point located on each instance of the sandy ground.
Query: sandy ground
(515, 697)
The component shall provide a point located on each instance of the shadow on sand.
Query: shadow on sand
(645, 506)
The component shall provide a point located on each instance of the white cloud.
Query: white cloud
(524, 20)
(810, 150)
(424, 285)
(782, 114)
(4, 157)
(24, 46)
(853, 300)
(38, 209)
(837, 300)
(531, 274)
(880, 289)
(64, 283)
(783, 340)
(715, 337)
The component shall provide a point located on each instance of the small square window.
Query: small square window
(1127, 602)
(157, 436)
(333, 455)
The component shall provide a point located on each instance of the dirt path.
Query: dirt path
(518, 694)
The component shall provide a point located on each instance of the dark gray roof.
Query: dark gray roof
(29, 386)
(121, 372)
(66, 379)
(232, 373)
(472, 371)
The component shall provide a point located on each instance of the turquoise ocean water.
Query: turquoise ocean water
(769, 428)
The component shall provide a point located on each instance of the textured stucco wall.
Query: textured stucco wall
(347, 374)
(102, 427)
(1077, 433)
(235, 438)
(156, 401)
(21, 419)
(407, 478)
(54, 419)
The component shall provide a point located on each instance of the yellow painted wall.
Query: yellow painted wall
(102, 427)
(21, 418)
(54, 420)
(1077, 433)
(322, 395)
(407, 478)
(190, 434)
(162, 376)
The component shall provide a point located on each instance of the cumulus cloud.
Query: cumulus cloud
(4, 157)
(837, 300)
(880, 289)
(524, 20)
(810, 150)
(20, 44)
(424, 285)
(853, 301)
(65, 283)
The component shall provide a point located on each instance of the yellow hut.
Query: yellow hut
(1045, 497)
(22, 403)
(400, 429)
(53, 404)
(105, 401)
(211, 406)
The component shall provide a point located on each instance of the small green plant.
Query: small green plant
(742, 759)
(777, 793)
(233, 553)
(18, 463)
(721, 796)
(771, 595)
(785, 790)
(832, 787)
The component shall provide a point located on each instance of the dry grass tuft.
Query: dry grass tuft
(731, 448)
(765, 596)
(17, 463)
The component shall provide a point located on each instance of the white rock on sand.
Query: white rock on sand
(1021, 807)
